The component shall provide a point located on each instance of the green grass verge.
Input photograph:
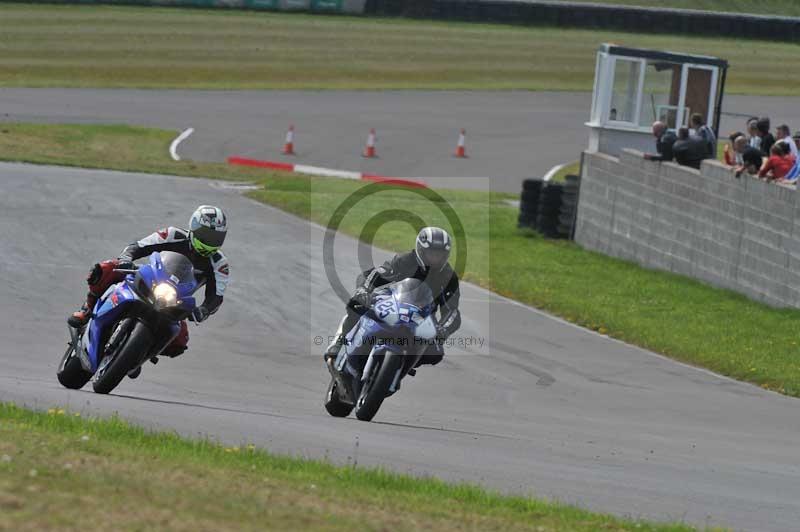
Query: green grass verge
(115, 147)
(783, 8)
(666, 313)
(59, 471)
(114, 46)
(570, 169)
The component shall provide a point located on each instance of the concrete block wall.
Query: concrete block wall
(742, 234)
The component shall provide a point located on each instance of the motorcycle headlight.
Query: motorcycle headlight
(165, 294)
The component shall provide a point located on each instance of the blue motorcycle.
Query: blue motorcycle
(382, 349)
(131, 323)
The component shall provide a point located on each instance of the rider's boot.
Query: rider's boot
(80, 317)
(173, 351)
(333, 350)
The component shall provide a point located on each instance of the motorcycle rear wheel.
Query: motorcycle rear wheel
(127, 355)
(334, 405)
(70, 371)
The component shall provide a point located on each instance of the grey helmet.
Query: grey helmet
(207, 228)
(432, 248)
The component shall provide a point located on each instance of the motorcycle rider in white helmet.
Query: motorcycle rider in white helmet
(201, 244)
(428, 262)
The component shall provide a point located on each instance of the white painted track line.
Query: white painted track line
(173, 148)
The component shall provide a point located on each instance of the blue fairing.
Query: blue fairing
(155, 272)
(119, 297)
(106, 312)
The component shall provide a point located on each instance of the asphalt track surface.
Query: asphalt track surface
(510, 135)
(544, 408)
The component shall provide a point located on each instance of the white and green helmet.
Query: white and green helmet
(207, 228)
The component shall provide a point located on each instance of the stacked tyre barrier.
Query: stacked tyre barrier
(529, 202)
(569, 207)
(600, 16)
(549, 208)
(355, 7)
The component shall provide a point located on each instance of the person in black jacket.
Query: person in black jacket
(767, 139)
(752, 161)
(428, 262)
(665, 138)
(689, 150)
(706, 133)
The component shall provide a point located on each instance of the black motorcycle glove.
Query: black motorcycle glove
(200, 314)
(360, 299)
(126, 265)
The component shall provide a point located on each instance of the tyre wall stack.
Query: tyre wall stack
(529, 12)
(314, 6)
(549, 208)
(569, 207)
(529, 202)
(581, 15)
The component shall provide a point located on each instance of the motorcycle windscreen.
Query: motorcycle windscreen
(179, 269)
(413, 292)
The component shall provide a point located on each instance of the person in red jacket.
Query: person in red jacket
(778, 164)
(734, 151)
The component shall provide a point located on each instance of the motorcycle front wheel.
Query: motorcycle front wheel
(126, 355)
(376, 388)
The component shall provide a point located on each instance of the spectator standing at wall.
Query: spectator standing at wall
(785, 137)
(734, 151)
(793, 174)
(767, 139)
(689, 150)
(778, 164)
(665, 139)
(706, 133)
(751, 161)
(753, 138)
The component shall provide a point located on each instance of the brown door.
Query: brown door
(698, 91)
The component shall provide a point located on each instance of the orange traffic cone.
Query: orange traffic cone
(461, 150)
(369, 149)
(288, 146)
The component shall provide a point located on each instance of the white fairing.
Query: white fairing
(391, 319)
(427, 329)
(368, 366)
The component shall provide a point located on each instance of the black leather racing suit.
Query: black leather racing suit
(443, 285)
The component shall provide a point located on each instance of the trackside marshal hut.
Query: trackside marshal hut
(634, 87)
